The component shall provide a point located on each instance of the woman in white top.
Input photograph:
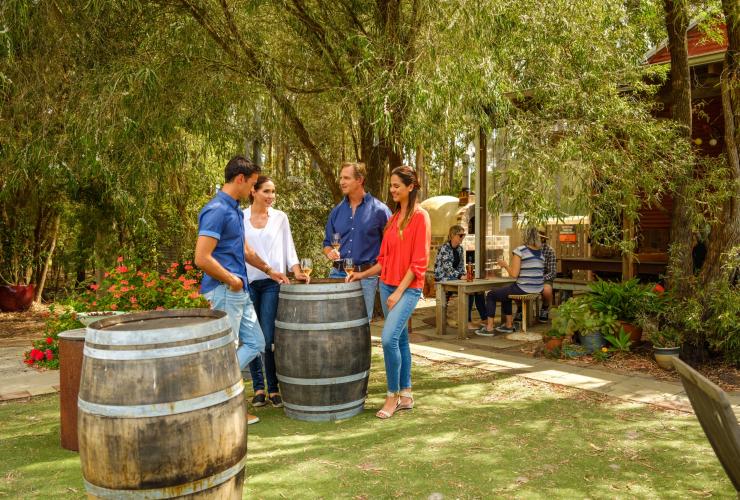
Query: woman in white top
(268, 231)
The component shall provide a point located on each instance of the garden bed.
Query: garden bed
(641, 360)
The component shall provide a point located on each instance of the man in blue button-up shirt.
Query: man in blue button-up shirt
(221, 251)
(359, 220)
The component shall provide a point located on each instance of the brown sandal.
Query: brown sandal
(407, 406)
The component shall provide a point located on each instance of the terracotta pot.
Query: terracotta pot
(553, 343)
(635, 332)
(16, 297)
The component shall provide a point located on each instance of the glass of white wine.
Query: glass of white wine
(349, 266)
(335, 241)
(306, 267)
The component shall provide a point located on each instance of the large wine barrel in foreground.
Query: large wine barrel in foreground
(322, 350)
(161, 407)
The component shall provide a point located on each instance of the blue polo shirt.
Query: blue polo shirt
(222, 219)
(362, 233)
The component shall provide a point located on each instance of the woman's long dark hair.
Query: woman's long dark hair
(409, 179)
(257, 185)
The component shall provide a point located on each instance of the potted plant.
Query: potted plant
(578, 316)
(592, 326)
(14, 298)
(666, 340)
(625, 301)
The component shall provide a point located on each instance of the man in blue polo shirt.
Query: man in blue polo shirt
(221, 251)
(359, 220)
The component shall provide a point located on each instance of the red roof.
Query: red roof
(699, 45)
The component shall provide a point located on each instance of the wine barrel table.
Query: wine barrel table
(71, 344)
(322, 350)
(161, 409)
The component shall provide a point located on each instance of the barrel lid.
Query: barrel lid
(321, 286)
(157, 320)
(76, 334)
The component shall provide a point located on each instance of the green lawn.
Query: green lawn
(473, 435)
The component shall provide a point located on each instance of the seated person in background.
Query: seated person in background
(549, 276)
(527, 266)
(551, 270)
(450, 265)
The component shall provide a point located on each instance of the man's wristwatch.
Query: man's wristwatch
(268, 270)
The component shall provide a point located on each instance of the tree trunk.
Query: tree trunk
(451, 168)
(421, 173)
(726, 231)
(47, 263)
(677, 23)
(285, 159)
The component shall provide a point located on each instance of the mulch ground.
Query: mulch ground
(20, 328)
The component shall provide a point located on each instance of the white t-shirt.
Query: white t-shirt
(273, 243)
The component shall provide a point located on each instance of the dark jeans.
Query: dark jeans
(265, 298)
(502, 294)
(480, 303)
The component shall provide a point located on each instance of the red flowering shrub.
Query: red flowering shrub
(124, 288)
(128, 288)
(45, 351)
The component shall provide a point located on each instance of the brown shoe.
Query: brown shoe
(252, 419)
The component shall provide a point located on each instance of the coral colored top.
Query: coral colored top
(410, 252)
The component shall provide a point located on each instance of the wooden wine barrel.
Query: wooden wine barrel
(322, 350)
(161, 407)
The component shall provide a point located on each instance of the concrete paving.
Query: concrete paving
(18, 381)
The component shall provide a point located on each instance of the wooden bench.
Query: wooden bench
(716, 417)
(525, 299)
(569, 286)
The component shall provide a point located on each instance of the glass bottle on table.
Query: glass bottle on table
(306, 266)
(469, 272)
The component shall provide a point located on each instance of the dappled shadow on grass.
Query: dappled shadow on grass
(473, 434)
(32, 462)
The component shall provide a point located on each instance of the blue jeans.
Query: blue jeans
(243, 321)
(369, 286)
(395, 337)
(264, 295)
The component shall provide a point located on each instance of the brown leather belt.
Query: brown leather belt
(339, 265)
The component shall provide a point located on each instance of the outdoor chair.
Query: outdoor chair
(716, 417)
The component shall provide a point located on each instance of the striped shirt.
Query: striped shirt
(531, 272)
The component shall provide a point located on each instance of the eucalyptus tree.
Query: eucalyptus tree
(565, 80)
(329, 67)
(108, 115)
(726, 229)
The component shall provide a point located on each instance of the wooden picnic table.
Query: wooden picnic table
(614, 265)
(463, 289)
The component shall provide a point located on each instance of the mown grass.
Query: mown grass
(473, 435)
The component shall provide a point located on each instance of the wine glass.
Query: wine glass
(306, 267)
(349, 266)
(335, 241)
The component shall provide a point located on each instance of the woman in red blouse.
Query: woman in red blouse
(402, 262)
